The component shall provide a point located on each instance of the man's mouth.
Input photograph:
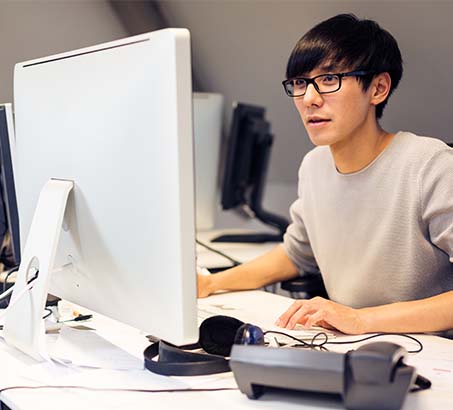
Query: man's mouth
(317, 121)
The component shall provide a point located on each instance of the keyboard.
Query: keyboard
(251, 313)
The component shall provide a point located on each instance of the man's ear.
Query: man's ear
(380, 88)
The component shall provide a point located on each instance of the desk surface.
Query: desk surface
(434, 362)
(242, 252)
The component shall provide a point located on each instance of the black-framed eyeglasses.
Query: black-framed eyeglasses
(323, 83)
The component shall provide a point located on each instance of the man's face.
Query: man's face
(337, 117)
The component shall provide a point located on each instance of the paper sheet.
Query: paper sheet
(86, 348)
(121, 379)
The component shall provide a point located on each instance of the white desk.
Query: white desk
(435, 362)
(242, 252)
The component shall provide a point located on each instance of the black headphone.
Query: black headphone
(217, 336)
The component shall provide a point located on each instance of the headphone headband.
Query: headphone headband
(173, 361)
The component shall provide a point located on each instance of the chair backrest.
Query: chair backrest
(311, 284)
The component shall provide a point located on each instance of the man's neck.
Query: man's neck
(360, 150)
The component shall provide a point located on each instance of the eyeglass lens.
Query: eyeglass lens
(326, 83)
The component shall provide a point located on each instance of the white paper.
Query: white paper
(215, 381)
(86, 348)
(122, 379)
(47, 373)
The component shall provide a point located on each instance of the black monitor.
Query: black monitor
(9, 220)
(246, 164)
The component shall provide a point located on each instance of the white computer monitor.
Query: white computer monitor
(207, 124)
(116, 121)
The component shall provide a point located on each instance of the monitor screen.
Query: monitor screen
(9, 222)
(245, 169)
(239, 161)
(116, 120)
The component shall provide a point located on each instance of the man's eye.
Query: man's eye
(328, 79)
(299, 83)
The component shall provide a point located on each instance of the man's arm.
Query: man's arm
(424, 315)
(271, 267)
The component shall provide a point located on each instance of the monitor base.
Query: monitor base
(24, 326)
(249, 238)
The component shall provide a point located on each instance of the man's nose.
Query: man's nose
(312, 97)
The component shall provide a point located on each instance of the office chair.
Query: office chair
(310, 284)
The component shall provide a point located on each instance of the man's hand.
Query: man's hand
(325, 313)
(204, 287)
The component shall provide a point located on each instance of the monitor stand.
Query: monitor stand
(254, 199)
(249, 238)
(268, 218)
(24, 326)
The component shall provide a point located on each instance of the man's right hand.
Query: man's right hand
(273, 266)
(204, 285)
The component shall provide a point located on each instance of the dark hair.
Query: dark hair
(345, 41)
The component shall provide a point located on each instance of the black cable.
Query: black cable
(77, 319)
(209, 248)
(10, 272)
(321, 346)
(48, 314)
(303, 343)
(380, 335)
(34, 277)
(118, 389)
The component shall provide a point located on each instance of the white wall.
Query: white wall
(36, 28)
(240, 49)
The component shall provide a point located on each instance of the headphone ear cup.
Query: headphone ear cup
(217, 334)
(248, 334)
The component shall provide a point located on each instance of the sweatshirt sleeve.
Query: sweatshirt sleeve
(436, 199)
(296, 241)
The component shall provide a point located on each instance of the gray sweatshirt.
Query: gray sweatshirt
(382, 234)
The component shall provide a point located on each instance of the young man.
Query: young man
(374, 212)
